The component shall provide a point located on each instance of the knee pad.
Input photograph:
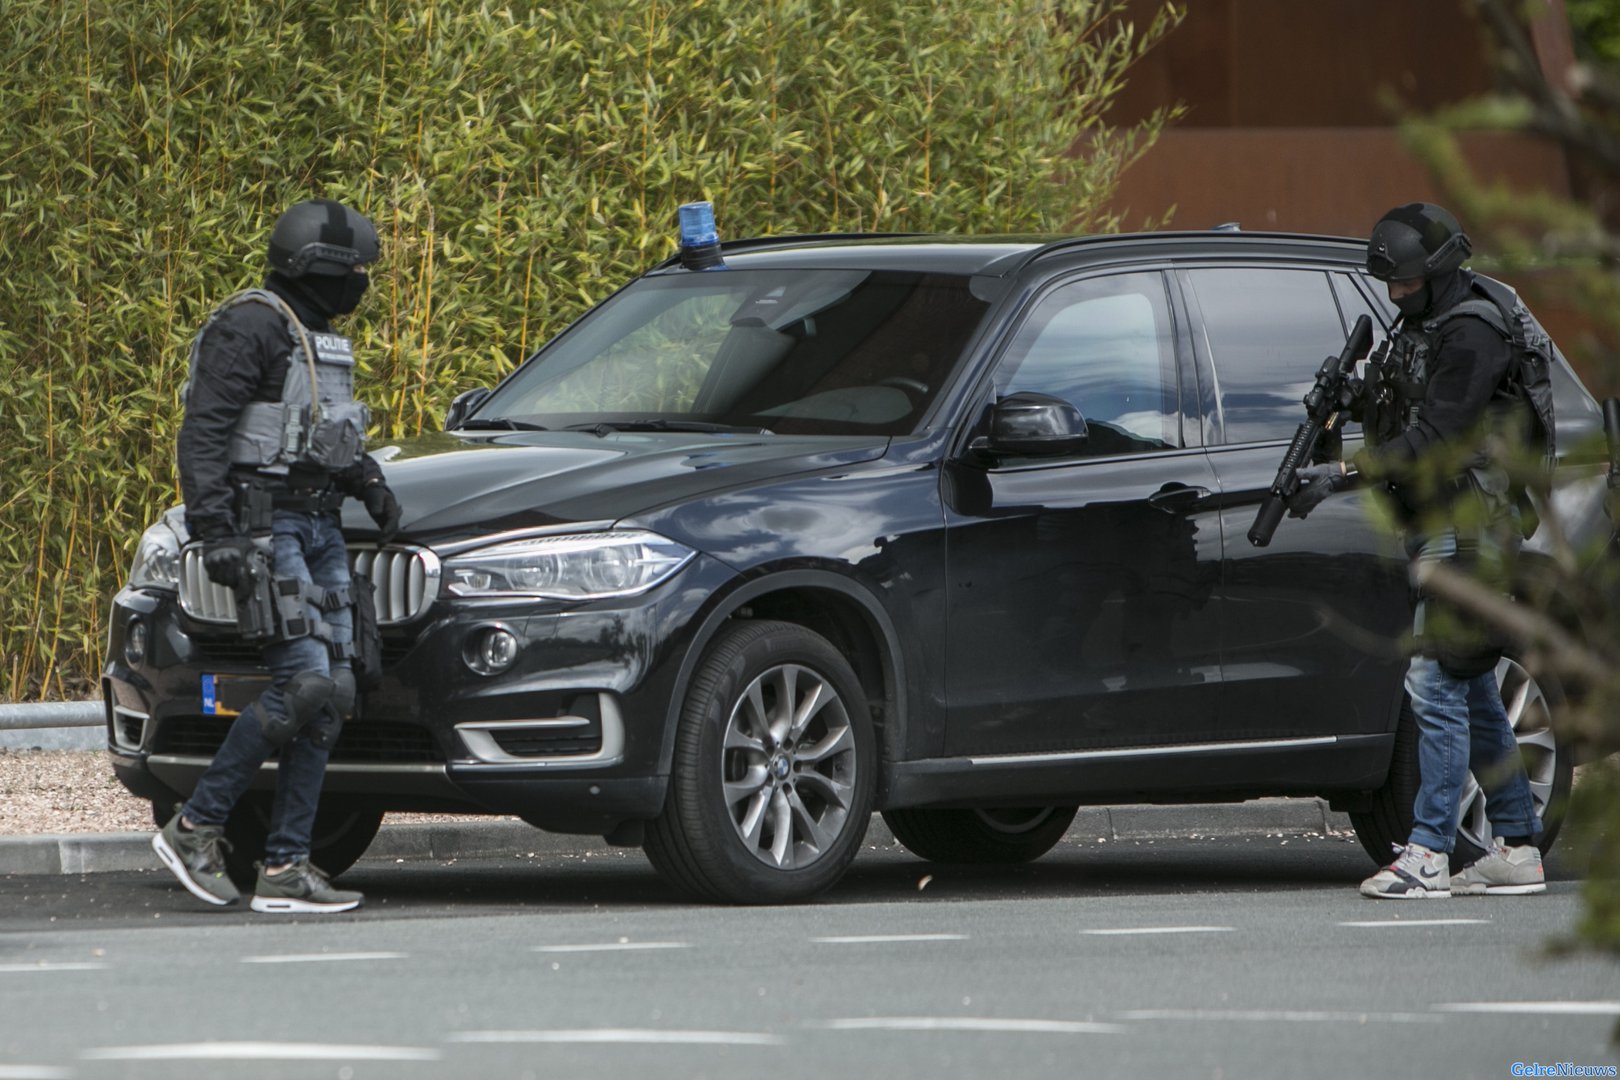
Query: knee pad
(306, 696)
(323, 732)
(344, 693)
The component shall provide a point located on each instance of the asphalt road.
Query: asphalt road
(1207, 958)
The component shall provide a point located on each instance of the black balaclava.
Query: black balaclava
(1414, 304)
(318, 298)
(1437, 295)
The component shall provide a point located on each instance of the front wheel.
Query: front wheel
(774, 768)
(1006, 834)
(1549, 764)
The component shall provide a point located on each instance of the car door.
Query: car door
(1082, 587)
(1312, 622)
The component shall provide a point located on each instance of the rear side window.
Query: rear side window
(1267, 330)
(1107, 346)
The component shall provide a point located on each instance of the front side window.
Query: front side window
(792, 351)
(1267, 330)
(1107, 346)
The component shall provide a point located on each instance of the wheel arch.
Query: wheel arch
(838, 609)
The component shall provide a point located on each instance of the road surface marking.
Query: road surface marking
(1160, 930)
(1292, 1016)
(883, 939)
(1543, 1008)
(1418, 922)
(260, 1051)
(632, 1036)
(613, 946)
(33, 1072)
(973, 1023)
(24, 969)
(318, 958)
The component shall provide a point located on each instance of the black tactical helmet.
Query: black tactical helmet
(1418, 240)
(321, 237)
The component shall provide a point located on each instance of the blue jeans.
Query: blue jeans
(1461, 724)
(309, 548)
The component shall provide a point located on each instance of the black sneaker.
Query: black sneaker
(197, 858)
(301, 888)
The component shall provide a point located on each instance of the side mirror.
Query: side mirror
(464, 406)
(1028, 424)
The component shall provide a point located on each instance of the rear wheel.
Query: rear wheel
(774, 768)
(1548, 761)
(1007, 834)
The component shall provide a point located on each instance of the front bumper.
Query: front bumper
(569, 737)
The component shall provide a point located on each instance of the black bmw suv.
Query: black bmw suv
(950, 529)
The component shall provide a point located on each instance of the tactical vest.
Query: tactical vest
(316, 422)
(1524, 399)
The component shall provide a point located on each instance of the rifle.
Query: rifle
(1327, 399)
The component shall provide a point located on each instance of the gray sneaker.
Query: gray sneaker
(1416, 874)
(1502, 871)
(301, 888)
(197, 858)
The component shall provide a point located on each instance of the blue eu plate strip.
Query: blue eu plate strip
(210, 701)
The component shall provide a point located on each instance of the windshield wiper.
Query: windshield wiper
(604, 427)
(502, 423)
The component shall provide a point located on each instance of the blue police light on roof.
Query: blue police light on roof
(700, 242)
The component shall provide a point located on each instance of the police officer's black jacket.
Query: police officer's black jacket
(242, 358)
(1469, 364)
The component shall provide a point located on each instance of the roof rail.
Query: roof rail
(754, 242)
(1070, 243)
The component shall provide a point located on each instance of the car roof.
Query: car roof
(999, 256)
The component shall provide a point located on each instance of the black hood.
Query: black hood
(1447, 291)
(452, 487)
(308, 304)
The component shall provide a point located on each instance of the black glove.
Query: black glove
(1316, 483)
(224, 560)
(384, 510)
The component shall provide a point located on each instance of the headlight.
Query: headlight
(590, 566)
(157, 560)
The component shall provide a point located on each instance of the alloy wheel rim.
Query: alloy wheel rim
(1530, 716)
(788, 767)
(1015, 820)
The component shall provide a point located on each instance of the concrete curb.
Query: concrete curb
(88, 853)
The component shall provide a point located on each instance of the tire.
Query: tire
(341, 835)
(1011, 834)
(1549, 761)
(764, 808)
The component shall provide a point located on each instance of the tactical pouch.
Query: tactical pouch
(367, 662)
(260, 436)
(288, 594)
(339, 436)
(1468, 665)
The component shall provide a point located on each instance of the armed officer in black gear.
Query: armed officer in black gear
(271, 444)
(1450, 383)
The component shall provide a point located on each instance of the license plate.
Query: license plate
(228, 695)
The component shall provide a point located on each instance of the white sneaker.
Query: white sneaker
(1502, 871)
(1416, 874)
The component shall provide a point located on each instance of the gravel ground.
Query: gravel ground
(74, 791)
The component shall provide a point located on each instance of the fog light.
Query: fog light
(135, 642)
(490, 651)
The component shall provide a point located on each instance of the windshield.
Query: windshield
(821, 352)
